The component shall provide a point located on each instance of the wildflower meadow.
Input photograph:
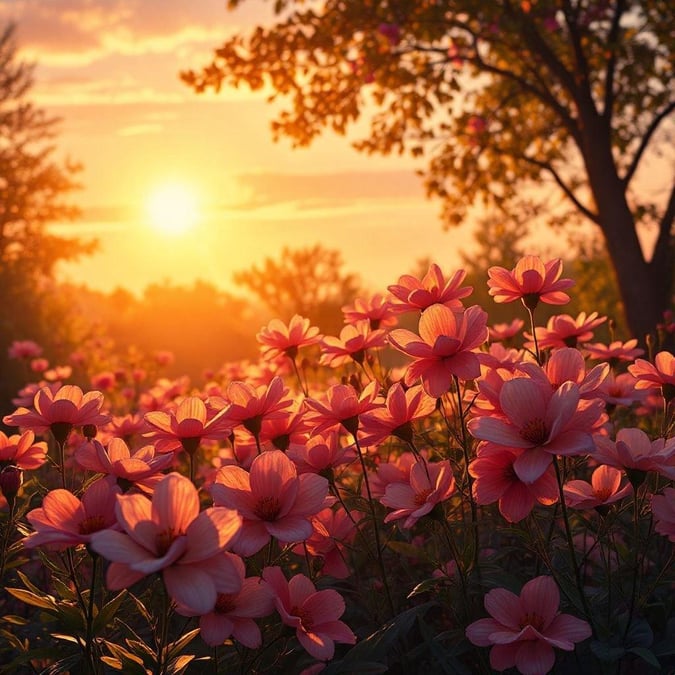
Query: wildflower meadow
(423, 493)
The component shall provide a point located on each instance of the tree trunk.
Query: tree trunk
(645, 287)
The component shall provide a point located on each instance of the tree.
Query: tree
(504, 97)
(33, 190)
(307, 281)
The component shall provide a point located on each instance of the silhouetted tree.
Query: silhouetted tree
(502, 96)
(33, 192)
(307, 281)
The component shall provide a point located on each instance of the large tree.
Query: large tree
(34, 189)
(505, 98)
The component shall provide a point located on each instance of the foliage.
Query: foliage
(307, 281)
(546, 107)
(387, 529)
(33, 193)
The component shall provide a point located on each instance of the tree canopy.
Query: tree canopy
(504, 98)
(34, 191)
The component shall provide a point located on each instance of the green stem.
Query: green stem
(636, 560)
(376, 529)
(9, 526)
(534, 334)
(89, 651)
(570, 546)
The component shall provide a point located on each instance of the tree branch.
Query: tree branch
(567, 190)
(646, 138)
(612, 39)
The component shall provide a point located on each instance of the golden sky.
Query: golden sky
(109, 69)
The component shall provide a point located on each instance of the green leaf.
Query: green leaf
(42, 601)
(606, 652)
(407, 550)
(68, 638)
(428, 585)
(116, 664)
(64, 665)
(108, 611)
(179, 664)
(15, 620)
(646, 655)
(177, 647)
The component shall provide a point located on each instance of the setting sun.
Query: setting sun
(173, 208)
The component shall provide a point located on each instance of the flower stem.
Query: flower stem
(534, 335)
(9, 526)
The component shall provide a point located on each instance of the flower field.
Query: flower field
(423, 493)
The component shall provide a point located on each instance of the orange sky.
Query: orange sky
(109, 69)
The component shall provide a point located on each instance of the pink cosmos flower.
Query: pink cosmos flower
(39, 365)
(143, 468)
(314, 614)
(284, 431)
(660, 374)
(430, 484)
(563, 330)
(278, 339)
(663, 508)
(633, 450)
(568, 365)
(531, 281)
(499, 356)
(170, 535)
(332, 530)
(620, 390)
(63, 520)
(24, 349)
(378, 311)
(395, 417)
(104, 381)
(416, 295)
(604, 488)
(234, 611)
(495, 480)
(185, 428)
(59, 412)
(505, 331)
(127, 426)
(444, 347)
(22, 451)
(272, 500)
(250, 406)
(343, 407)
(524, 630)
(355, 339)
(539, 421)
(614, 353)
(321, 454)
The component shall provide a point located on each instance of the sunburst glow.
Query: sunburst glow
(173, 208)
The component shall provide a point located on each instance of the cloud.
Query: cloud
(140, 129)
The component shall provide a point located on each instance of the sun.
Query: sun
(173, 208)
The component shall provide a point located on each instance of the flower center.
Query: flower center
(532, 619)
(267, 508)
(603, 494)
(163, 541)
(534, 431)
(91, 524)
(421, 497)
(304, 616)
(225, 603)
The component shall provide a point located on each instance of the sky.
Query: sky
(110, 70)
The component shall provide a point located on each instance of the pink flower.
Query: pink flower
(355, 339)
(497, 481)
(430, 484)
(314, 614)
(60, 411)
(170, 535)
(620, 390)
(142, 468)
(63, 520)
(604, 488)
(332, 530)
(186, 427)
(444, 347)
(615, 352)
(277, 339)
(272, 500)
(415, 295)
(531, 281)
(376, 310)
(634, 451)
(234, 611)
(539, 421)
(22, 451)
(343, 407)
(660, 374)
(524, 629)
(321, 454)
(505, 331)
(563, 330)
(663, 508)
(395, 418)
(24, 349)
